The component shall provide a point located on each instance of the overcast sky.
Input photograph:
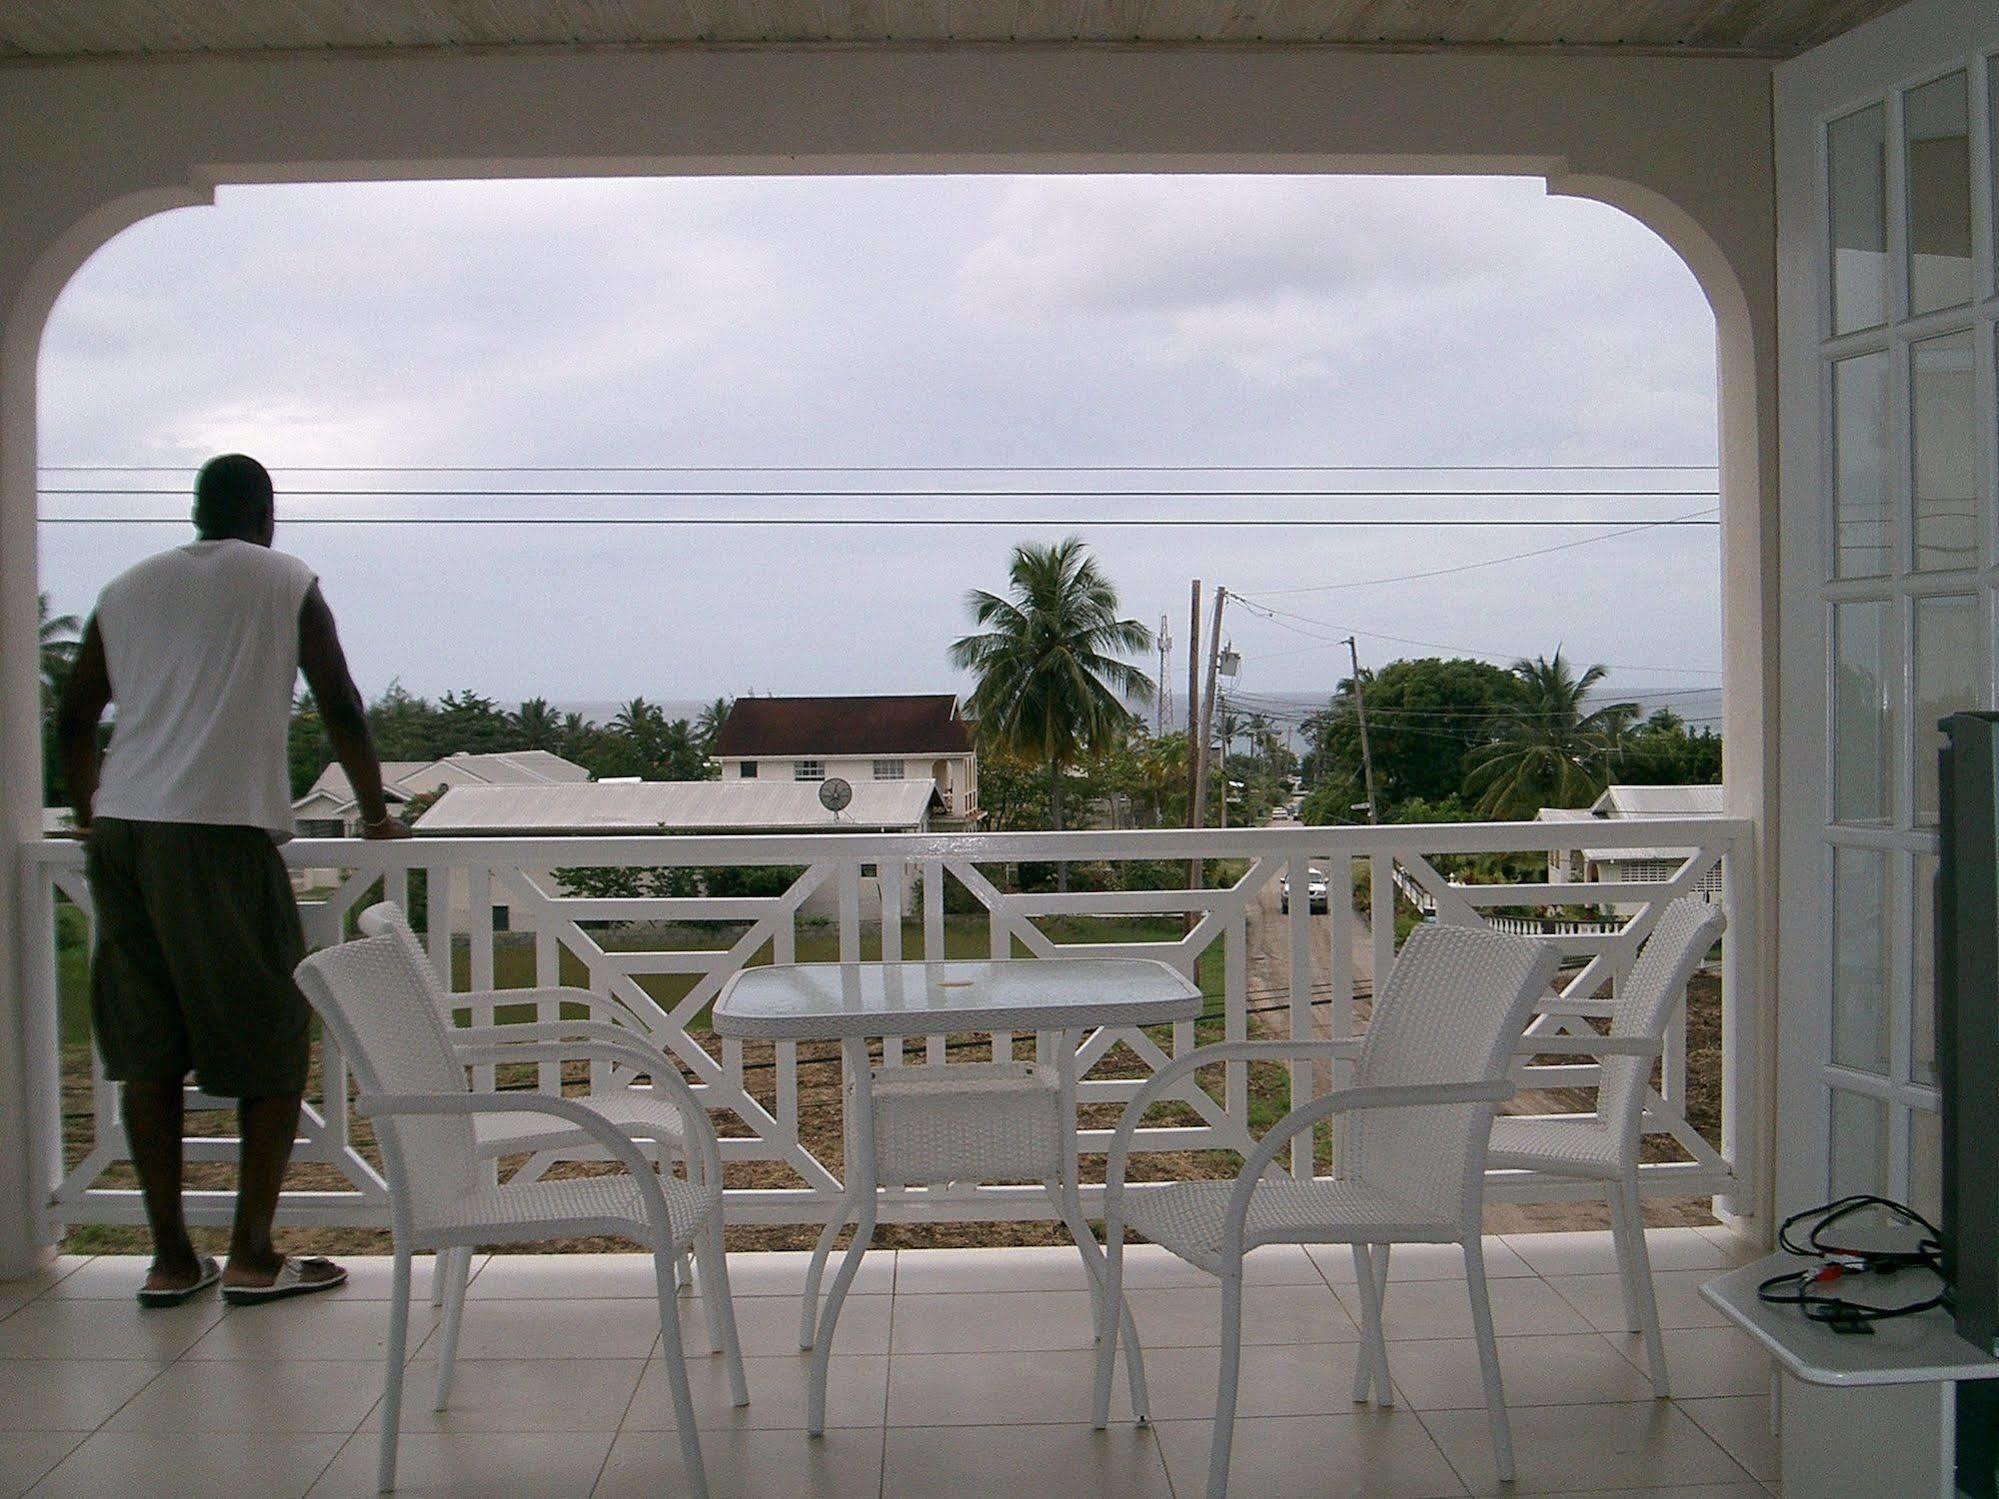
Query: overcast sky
(909, 321)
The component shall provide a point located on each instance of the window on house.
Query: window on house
(808, 770)
(888, 770)
(748, 770)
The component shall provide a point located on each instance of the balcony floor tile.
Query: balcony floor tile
(962, 1371)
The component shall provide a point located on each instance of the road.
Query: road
(1269, 933)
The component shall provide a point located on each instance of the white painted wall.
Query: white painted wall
(87, 149)
(955, 775)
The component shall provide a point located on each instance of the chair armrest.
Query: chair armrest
(706, 1155)
(1206, 1056)
(617, 1144)
(596, 1007)
(1346, 1101)
(1588, 1046)
(551, 1030)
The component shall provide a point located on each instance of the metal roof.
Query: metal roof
(402, 779)
(678, 806)
(1659, 801)
(1765, 28)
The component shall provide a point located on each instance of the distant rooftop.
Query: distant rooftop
(403, 779)
(922, 724)
(636, 807)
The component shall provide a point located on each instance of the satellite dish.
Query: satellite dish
(835, 794)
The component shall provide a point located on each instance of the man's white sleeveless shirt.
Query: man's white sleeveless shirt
(202, 646)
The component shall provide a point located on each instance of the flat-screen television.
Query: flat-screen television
(1967, 1000)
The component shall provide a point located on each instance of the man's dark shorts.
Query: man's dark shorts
(197, 937)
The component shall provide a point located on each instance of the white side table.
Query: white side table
(1859, 1417)
(1055, 998)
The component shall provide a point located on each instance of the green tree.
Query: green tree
(1424, 717)
(708, 725)
(1552, 750)
(534, 725)
(1051, 679)
(59, 638)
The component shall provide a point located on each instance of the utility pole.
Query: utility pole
(1207, 734)
(1194, 711)
(1165, 651)
(1360, 712)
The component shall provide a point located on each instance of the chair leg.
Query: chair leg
(1634, 1255)
(1101, 1300)
(1227, 1375)
(1619, 1233)
(392, 1381)
(440, 1272)
(676, 1372)
(815, 1270)
(1371, 1368)
(454, 1315)
(721, 1308)
(1111, 1294)
(829, 1316)
(1488, 1359)
(683, 1274)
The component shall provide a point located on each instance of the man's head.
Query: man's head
(232, 501)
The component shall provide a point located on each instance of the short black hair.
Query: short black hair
(232, 498)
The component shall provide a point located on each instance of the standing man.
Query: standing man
(197, 931)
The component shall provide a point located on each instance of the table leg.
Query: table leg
(815, 1270)
(1069, 1202)
(860, 1184)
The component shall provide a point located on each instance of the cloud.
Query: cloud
(1075, 320)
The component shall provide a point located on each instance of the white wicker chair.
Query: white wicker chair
(1430, 1070)
(1604, 1146)
(647, 1116)
(443, 1196)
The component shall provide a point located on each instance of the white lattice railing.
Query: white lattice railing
(884, 896)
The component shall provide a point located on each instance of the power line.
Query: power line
(1271, 611)
(738, 493)
(906, 468)
(1104, 522)
(1465, 567)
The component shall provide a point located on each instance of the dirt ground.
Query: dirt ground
(820, 1127)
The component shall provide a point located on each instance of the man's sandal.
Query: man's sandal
(175, 1295)
(291, 1280)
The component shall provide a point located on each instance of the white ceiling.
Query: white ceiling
(80, 28)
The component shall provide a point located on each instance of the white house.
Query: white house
(1583, 864)
(859, 739)
(631, 808)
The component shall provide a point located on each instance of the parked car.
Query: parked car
(1315, 891)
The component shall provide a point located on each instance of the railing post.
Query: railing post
(1741, 1030)
(42, 1050)
(1303, 1070)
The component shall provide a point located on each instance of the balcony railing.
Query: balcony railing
(886, 896)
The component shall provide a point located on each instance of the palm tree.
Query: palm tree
(1052, 684)
(708, 725)
(58, 640)
(535, 724)
(1552, 750)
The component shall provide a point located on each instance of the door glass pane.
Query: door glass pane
(1923, 989)
(1858, 1159)
(1862, 714)
(1944, 442)
(1860, 978)
(1856, 162)
(1926, 1163)
(1937, 138)
(1860, 465)
(1950, 678)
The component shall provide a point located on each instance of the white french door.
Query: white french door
(1888, 305)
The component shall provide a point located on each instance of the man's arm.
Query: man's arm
(84, 699)
(343, 713)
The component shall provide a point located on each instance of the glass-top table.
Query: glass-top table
(835, 1001)
(1057, 999)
